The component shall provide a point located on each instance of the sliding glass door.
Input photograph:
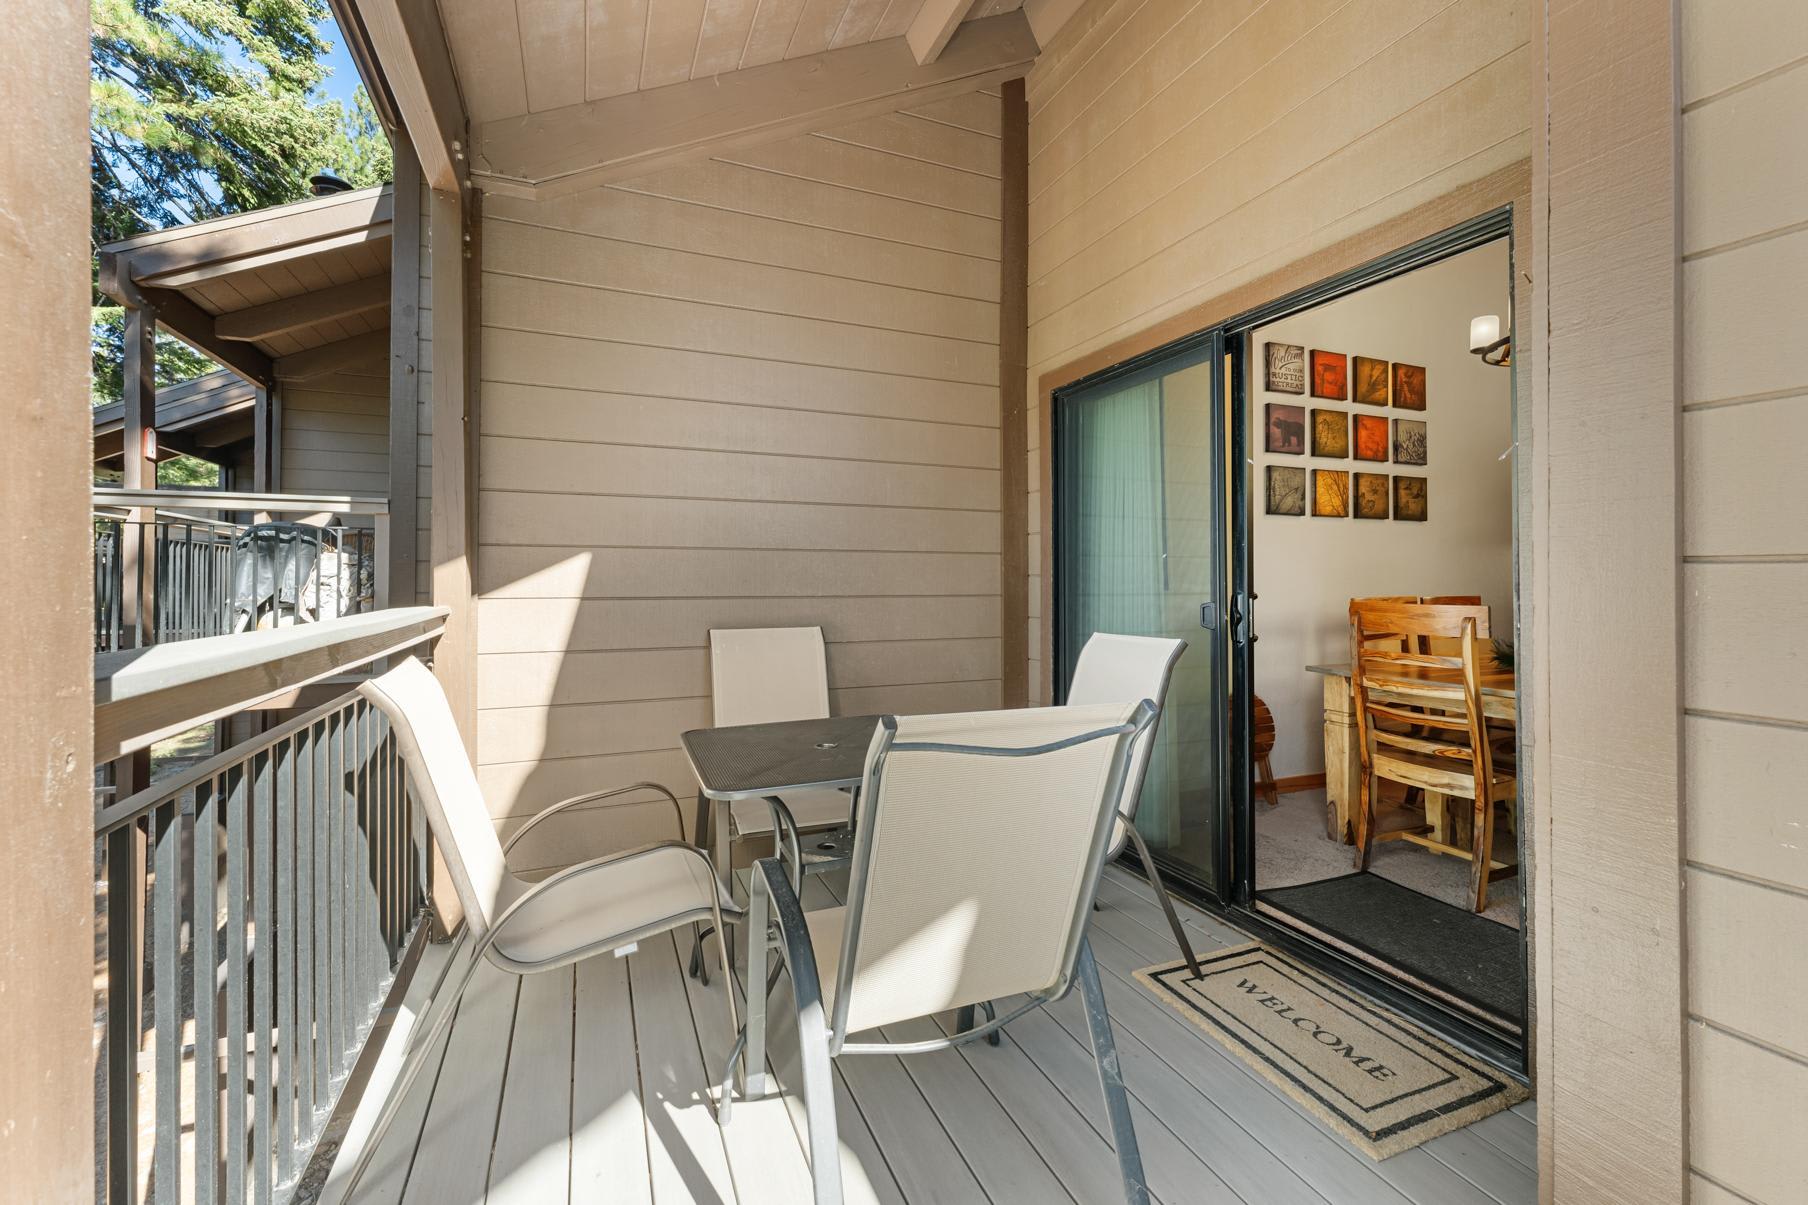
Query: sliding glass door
(1139, 550)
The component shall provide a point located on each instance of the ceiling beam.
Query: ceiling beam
(195, 327)
(332, 357)
(1046, 17)
(292, 313)
(597, 142)
(410, 48)
(933, 25)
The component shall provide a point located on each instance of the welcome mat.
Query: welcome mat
(1384, 1084)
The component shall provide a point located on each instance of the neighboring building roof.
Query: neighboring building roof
(290, 291)
(195, 417)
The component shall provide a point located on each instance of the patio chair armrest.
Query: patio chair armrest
(787, 913)
(596, 797)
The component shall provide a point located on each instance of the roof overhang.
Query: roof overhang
(254, 288)
(459, 91)
(209, 412)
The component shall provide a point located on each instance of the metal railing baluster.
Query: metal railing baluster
(303, 1041)
(204, 926)
(166, 999)
(237, 894)
(263, 972)
(282, 964)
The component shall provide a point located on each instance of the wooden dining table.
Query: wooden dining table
(1405, 684)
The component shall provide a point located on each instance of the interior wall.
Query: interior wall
(1745, 597)
(1307, 568)
(1180, 150)
(756, 390)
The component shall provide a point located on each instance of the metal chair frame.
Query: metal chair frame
(775, 911)
(420, 1046)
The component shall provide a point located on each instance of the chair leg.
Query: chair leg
(964, 1020)
(812, 1025)
(699, 964)
(754, 1064)
(1481, 848)
(819, 1101)
(1111, 1079)
(1270, 790)
(1167, 905)
(1370, 786)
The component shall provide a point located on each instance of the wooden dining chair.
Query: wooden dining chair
(1419, 722)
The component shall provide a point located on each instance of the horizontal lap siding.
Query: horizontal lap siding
(1745, 582)
(1178, 150)
(335, 433)
(755, 391)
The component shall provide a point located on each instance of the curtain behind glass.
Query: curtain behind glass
(1112, 555)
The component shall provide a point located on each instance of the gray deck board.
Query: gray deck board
(595, 1084)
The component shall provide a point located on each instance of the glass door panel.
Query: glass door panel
(1139, 523)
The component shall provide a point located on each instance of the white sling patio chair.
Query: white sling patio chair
(1113, 669)
(590, 908)
(768, 676)
(936, 921)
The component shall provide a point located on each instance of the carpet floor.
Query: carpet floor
(1291, 848)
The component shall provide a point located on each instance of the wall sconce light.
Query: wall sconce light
(150, 443)
(1486, 341)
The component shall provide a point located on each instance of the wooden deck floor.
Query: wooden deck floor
(591, 1085)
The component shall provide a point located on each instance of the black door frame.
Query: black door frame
(1234, 894)
(1206, 347)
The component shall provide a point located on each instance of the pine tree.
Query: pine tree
(203, 108)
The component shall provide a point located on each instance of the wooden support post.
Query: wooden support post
(138, 545)
(398, 551)
(47, 644)
(453, 542)
(1013, 391)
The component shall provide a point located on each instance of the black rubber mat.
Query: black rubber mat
(1437, 943)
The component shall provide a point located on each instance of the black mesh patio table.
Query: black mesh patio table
(752, 761)
(763, 761)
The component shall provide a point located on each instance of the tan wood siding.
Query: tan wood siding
(423, 413)
(738, 393)
(1745, 578)
(1179, 151)
(335, 433)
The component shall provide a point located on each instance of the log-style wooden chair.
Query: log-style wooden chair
(1262, 740)
(1432, 736)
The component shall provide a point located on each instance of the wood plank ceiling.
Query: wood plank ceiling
(515, 57)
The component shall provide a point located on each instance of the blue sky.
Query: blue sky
(343, 79)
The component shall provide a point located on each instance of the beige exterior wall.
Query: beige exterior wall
(755, 390)
(1179, 151)
(1745, 595)
(424, 410)
(335, 432)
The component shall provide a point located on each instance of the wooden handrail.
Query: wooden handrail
(143, 695)
(275, 504)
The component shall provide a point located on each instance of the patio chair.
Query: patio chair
(1114, 669)
(768, 676)
(936, 921)
(590, 908)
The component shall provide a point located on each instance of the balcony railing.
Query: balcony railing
(256, 910)
(184, 564)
